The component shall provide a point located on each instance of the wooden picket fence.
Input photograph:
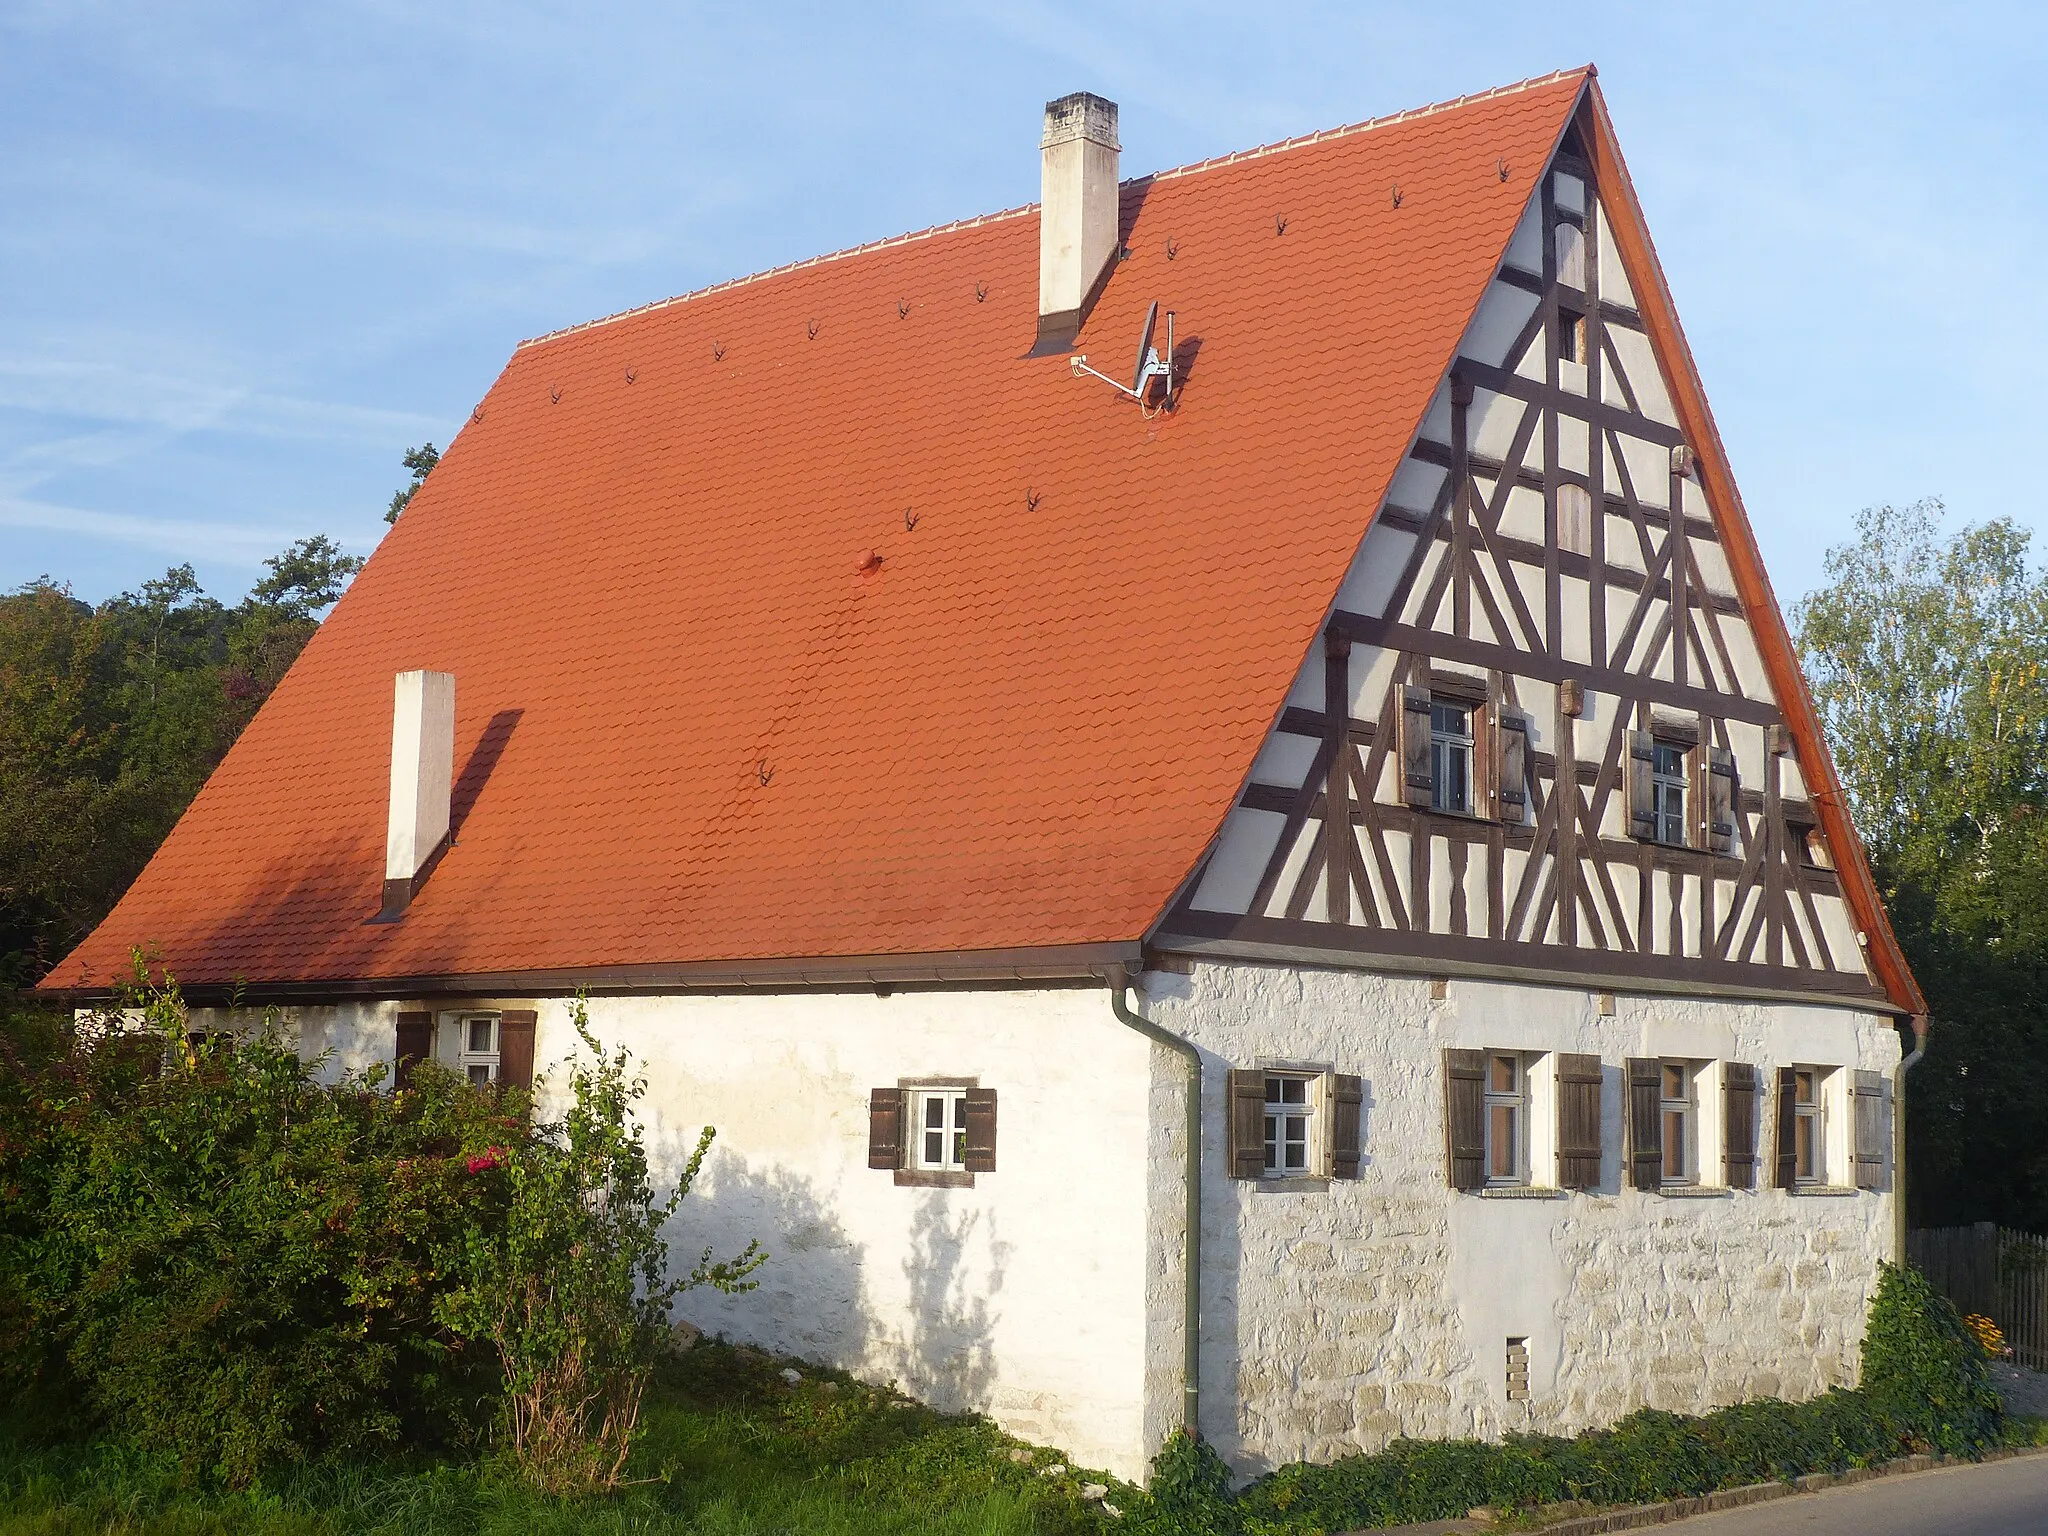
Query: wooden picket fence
(1993, 1270)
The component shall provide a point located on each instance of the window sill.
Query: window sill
(1696, 1192)
(1290, 1186)
(932, 1178)
(1520, 1192)
(1826, 1191)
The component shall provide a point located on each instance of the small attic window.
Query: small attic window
(1571, 337)
(1571, 256)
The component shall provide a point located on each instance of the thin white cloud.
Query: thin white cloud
(110, 392)
(235, 543)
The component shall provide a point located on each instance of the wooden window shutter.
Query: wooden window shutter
(415, 1045)
(981, 1130)
(885, 1128)
(1347, 1126)
(1646, 1122)
(1417, 780)
(1720, 800)
(1642, 798)
(515, 1047)
(1465, 1117)
(1741, 1085)
(1867, 1104)
(1787, 1141)
(1514, 767)
(1247, 1124)
(1578, 1122)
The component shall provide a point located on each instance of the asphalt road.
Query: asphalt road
(2002, 1498)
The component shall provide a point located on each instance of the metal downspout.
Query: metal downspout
(1191, 1284)
(1905, 1065)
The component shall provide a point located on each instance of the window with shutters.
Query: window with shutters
(933, 1132)
(940, 1118)
(478, 1056)
(1451, 744)
(1292, 1122)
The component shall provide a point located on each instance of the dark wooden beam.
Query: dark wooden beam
(1219, 932)
(1552, 669)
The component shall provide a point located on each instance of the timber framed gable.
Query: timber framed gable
(1538, 732)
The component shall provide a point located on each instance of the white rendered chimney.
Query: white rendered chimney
(1077, 216)
(422, 780)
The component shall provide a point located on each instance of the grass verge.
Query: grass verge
(731, 1450)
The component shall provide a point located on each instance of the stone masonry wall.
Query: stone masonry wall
(1336, 1318)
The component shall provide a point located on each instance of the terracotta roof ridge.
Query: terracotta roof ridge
(1322, 135)
(777, 271)
(1319, 136)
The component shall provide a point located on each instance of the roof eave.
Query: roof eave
(1752, 584)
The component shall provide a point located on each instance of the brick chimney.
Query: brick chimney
(1077, 216)
(422, 782)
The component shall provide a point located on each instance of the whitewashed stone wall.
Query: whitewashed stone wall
(1336, 1319)
(1049, 1296)
(1023, 1297)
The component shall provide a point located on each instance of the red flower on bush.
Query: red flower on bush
(484, 1162)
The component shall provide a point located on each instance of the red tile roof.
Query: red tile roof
(806, 616)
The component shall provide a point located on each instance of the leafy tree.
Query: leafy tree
(111, 717)
(1928, 655)
(421, 462)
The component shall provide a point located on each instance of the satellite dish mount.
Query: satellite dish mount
(1152, 382)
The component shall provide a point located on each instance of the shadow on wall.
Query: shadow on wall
(946, 1354)
(808, 1297)
(933, 1333)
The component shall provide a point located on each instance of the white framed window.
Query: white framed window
(477, 1047)
(1451, 743)
(1292, 1146)
(1507, 1119)
(1678, 1106)
(938, 1130)
(1809, 1125)
(1667, 793)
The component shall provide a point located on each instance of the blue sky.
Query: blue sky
(252, 252)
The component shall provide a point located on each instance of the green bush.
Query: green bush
(209, 1253)
(1923, 1369)
(571, 1290)
(214, 1254)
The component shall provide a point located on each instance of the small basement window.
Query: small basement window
(478, 1058)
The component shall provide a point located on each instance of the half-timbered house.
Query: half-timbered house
(1202, 779)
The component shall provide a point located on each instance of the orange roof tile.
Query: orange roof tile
(713, 729)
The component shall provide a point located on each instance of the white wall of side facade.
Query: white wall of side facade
(1337, 1318)
(1024, 1297)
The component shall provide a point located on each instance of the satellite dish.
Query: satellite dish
(1144, 348)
